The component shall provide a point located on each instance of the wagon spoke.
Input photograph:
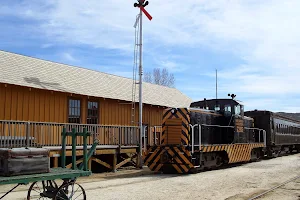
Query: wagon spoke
(69, 190)
(42, 190)
(78, 195)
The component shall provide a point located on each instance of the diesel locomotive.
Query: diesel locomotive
(215, 132)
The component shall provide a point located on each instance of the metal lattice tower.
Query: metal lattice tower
(134, 72)
(141, 5)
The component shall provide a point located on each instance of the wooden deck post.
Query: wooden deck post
(139, 158)
(63, 148)
(90, 164)
(114, 165)
(55, 162)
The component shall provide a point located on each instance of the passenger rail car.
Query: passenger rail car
(283, 133)
(195, 138)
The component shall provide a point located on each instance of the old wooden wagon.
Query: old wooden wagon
(43, 184)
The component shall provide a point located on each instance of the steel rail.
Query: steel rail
(274, 188)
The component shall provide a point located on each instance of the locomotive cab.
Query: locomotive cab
(231, 114)
(226, 107)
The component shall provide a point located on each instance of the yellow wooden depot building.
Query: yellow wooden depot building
(39, 97)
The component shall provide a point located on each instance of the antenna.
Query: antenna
(216, 84)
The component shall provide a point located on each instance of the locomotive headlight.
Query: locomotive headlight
(174, 110)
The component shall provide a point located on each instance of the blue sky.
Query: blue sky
(254, 44)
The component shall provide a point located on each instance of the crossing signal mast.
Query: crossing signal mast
(141, 5)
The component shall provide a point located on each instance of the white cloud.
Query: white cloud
(263, 34)
(68, 57)
(45, 46)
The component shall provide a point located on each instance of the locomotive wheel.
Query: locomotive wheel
(255, 155)
(276, 153)
(291, 150)
(42, 190)
(219, 161)
(70, 190)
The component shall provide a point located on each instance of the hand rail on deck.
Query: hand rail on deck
(32, 134)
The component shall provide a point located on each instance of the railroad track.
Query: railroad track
(274, 188)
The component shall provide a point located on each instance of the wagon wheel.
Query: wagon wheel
(42, 190)
(70, 191)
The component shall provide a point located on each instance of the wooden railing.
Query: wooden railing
(30, 134)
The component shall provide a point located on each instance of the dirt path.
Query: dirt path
(237, 182)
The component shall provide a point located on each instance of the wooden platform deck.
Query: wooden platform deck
(115, 156)
(118, 145)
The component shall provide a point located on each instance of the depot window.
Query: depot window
(74, 111)
(93, 112)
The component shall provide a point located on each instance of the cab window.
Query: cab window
(237, 110)
(242, 110)
(227, 108)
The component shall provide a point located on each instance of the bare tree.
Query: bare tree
(148, 77)
(160, 77)
(156, 76)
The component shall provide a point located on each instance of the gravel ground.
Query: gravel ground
(236, 182)
(289, 191)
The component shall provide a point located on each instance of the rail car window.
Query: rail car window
(294, 130)
(285, 129)
(74, 111)
(92, 117)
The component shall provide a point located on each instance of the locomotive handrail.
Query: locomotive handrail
(265, 138)
(155, 135)
(155, 138)
(208, 125)
(145, 142)
(217, 126)
(192, 137)
(199, 132)
(254, 128)
(264, 134)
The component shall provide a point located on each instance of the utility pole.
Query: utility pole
(141, 4)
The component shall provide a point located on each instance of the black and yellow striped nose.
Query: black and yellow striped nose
(175, 127)
(168, 159)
